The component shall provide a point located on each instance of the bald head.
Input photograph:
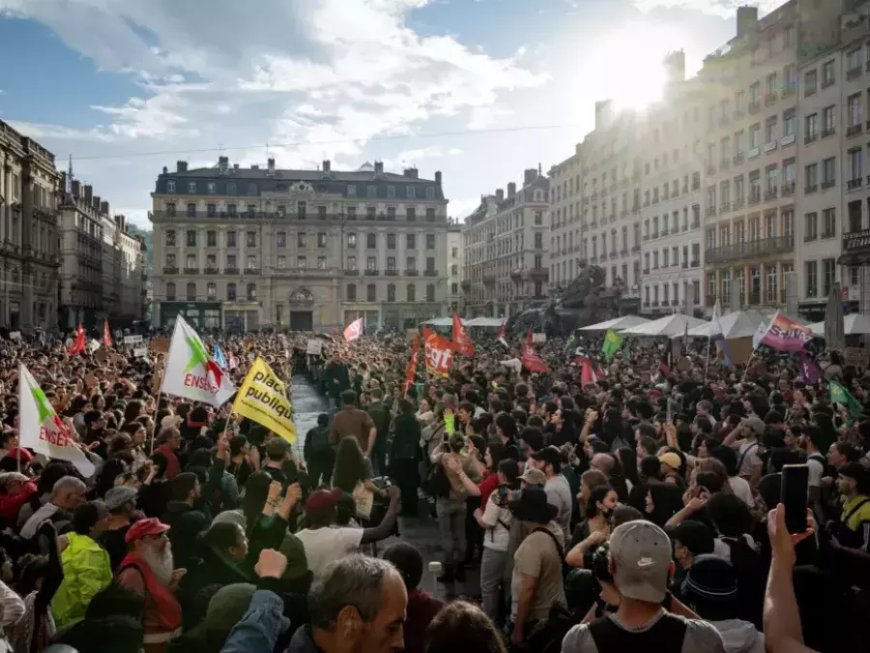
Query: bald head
(603, 462)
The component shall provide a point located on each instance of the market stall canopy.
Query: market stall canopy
(624, 322)
(740, 324)
(855, 323)
(491, 322)
(670, 325)
(442, 322)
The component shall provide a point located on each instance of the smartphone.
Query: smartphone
(793, 495)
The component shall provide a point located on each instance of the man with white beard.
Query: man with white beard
(148, 571)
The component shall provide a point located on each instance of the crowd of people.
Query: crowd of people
(639, 511)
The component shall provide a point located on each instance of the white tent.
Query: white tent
(670, 325)
(491, 322)
(624, 322)
(855, 324)
(740, 324)
(441, 321)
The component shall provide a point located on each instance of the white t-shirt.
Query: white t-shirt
(817, 470)
(740, 488)
(498, 519)
(747, 458)
(323, 545)
(559, 494)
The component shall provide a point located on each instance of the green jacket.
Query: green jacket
(86, 571)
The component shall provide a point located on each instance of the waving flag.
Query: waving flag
(500, 336)
(531, 360)
(438, 353)
(80, 344)
(263, 399)
(353, 330)
(42, 430)
(190, 372)
(612, 343)
(411, 369)
(219, 357)
(461, 341)
(786, 334)
(590, 371)
(810, 371)
(839, 395)
(759, 334)
(107, 335)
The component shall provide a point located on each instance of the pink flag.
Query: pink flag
(786, 334)
(353, 330)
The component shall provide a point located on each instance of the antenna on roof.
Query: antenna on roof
(69, 179)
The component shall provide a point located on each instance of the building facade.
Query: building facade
(454, 265)
(504, 243)
(29, 256)
(247, 248)
(565, 221)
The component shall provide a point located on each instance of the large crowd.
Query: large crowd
(640, 511)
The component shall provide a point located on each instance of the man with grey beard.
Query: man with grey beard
(148, 571)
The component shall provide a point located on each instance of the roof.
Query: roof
(254, 174)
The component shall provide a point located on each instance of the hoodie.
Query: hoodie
(303, 641)
(739, 636)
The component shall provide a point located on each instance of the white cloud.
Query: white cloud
(723, 8)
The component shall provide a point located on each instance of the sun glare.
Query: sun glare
(633, 57)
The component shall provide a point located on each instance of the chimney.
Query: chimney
(379, 167)
(96, 203)
(529, 175)
(121, 222)
(89, 194)
(76, 188)
(512, 190)
(499, 195)
(411, 173)
(603, 113)
(223, 164)
(270, 166)
(104, 208)
(235, 166)
(165, 170)
(181, 166)
(747, 18)
(438, 178)
(327, 166)
(675, 66)
(255, 166)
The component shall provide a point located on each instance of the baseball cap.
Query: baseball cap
(534, 476)
(144, 528)
(118, 496)
(756, 424)
(641, 553)
(549, 455)
(671, 460)
(323, 499)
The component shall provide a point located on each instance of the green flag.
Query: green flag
(612, 342)
(840, 395)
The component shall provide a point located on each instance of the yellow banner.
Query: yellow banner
(263, 399)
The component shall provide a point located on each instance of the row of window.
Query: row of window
(669, 294)
(772, 175)
(671, 224)
(727, 233)
(301, 213)
(766, 279)
(252, 262)
(671, 256)
(371, 292)
(211, 239)
(231, 188)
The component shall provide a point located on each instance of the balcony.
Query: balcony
(738, 203)
(695, 264)
(754, 107)
(709, 211)
(788, 189)
(372, 273)
(852, 184)
(770, 194)
(517, 273)
(170, 270)
(430, 273)
(755, 196)
(854, 129)
(811, 188)
(828, 132)
(830, 183)
(754, 152)
(411, 273)
(769, 98)
(646, 270)
(351, 273)
(391, 272)
(655, 235)
(664, 232)
(211, 270)
(489, 278)
(539, 273)
(809, 138)
(856, 242)
(685, 264)
(750, 249)
(635, 248)
(233, 271)
(754, 298)
(769, 147)
(737, 160)
(252, 271)
(191, 270)
(852, 73)
(724, 207)
(788, 139)
(675, 302)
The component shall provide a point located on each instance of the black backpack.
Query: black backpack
(437, 484)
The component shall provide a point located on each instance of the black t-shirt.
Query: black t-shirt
(113, 542)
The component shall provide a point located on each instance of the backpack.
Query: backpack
(437, 484)
(666, 636)
(320, 438)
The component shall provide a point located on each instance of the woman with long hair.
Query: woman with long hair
(595, 529)
(352, 476)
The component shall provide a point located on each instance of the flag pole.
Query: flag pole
(157, 410)
(751, 356)
(707, 361)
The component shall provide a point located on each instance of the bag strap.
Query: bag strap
(744, 454)
(559, 549)
(848, 515)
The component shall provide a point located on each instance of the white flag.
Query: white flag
(190, 371)
(353, 330)
(759, 334)
(42, 430)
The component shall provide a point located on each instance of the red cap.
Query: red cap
(144, 528)
(323, 499)
(23, 454)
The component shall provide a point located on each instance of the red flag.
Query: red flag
(438, 353)
(461, 341)
(531, 360)
(501, 331)
(107, 335)
(590, 371)
(411, 369)
(79, 346)
(353, 330)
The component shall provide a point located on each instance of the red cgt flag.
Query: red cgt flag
(590, 371)
(461, 341)
(107, 335)
(531, 360)
(438, 354)
(79, 346)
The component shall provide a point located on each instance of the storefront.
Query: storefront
(200, 315)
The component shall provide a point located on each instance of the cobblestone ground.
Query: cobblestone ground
(420, 531)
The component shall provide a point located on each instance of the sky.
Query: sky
(479, 89)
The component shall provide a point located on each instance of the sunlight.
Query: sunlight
(634, 75)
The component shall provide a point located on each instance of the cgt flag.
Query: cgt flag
(107, 335)
(263, 399)
(353, 330)
(531, 360)
(42, 430)
(461, 340)
(190, 371)
(80, 345)
(438, 354)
